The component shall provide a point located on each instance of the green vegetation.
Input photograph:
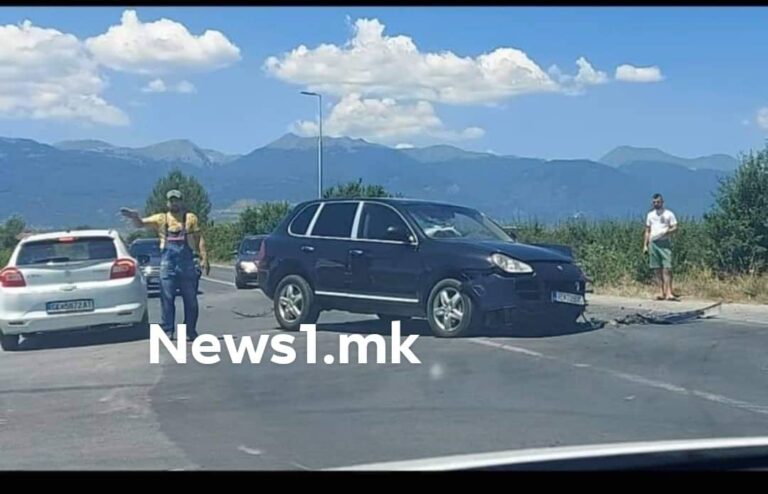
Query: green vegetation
(9, 233)
(737, 226)
(356, 189)
(195, 196)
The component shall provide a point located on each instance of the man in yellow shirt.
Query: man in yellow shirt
(183, 253)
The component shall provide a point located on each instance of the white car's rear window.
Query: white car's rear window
(67, 249)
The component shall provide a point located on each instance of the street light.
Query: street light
(319, 142)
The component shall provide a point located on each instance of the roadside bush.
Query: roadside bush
(221, 239)
(737, 226)
(611, 251)
(262, 219)
(9, 233)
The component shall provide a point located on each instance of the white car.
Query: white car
(71, 280)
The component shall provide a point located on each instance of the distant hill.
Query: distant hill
(434, 154)
(179, 151)
(623, 155)
(85, 182)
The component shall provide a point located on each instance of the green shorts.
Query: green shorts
(661, 254)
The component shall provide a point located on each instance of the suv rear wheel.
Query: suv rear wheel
(9, 342)
(450, 312)
(294, 303)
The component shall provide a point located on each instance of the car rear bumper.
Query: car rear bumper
(119, 302)
(247, 277)
(40, 322)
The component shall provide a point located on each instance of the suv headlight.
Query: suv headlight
(248, 266)
(510, 265)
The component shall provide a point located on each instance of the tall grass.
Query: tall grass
(611, 253)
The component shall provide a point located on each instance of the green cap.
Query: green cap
(173, 194)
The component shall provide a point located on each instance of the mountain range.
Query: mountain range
(85, 182)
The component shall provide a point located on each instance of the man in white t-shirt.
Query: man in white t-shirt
(660, 224)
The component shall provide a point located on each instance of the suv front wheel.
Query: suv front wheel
(450, 312)
(294, 303)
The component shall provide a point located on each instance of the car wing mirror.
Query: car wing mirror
(400, 234)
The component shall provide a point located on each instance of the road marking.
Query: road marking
(634, 378)
(250, 451)
(214, 280)
(223, 266)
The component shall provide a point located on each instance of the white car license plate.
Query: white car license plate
(568, 298)
(66, 306)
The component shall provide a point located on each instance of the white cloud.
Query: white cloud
(185, 87)
(155, 86)
(159, 86)
(587, 74)
(762, 118)
(404, 145)
(373, 64)
(630, 73)
(159, 47)
(575, 84)
(47, 74)
(385, 120)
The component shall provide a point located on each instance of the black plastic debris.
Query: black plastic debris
(657, 317)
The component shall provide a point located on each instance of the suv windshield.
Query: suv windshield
(146, 248)
(75, 250)
(250, 246)
(452, 222)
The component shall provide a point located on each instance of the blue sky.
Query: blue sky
(710, 62)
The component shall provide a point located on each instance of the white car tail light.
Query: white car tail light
(123, 268)
(12, 278)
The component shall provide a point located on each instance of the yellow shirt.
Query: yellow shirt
(157, 222)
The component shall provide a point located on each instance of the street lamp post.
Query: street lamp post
(319, 142)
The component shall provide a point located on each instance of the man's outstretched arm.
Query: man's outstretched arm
(136, 218)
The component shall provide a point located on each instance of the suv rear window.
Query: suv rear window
(335, 220)
(301, 222)
(61, 251)
(250, 246)
(146, 248)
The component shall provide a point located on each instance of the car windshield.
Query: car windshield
(250, 246)
(146, 248)
(58, 251)
(452, 222)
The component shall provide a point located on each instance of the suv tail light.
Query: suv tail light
(123, 268)
(12, 278)
(261, 256)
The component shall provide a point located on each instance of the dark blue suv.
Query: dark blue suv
(401, 258)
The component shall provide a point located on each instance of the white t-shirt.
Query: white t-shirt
(660, 222)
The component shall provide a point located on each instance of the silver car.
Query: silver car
(71, 280)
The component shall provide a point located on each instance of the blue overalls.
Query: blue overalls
(178, 270)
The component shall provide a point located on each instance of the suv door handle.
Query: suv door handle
(356, 252)
(307, 248)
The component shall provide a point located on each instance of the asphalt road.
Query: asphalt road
(93, 401)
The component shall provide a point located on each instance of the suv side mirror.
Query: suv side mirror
(398, 233)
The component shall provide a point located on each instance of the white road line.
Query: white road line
(223, 266)
(213, 280)
(633, 378)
